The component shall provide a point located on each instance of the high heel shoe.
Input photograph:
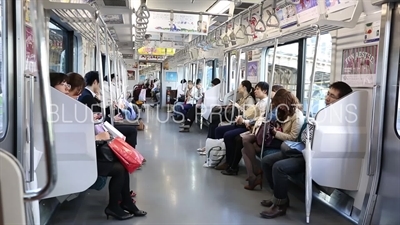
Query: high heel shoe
(253, 183)
(124, 216)
(230, 171)
(136, 212)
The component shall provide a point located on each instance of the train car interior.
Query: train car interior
(200, 112)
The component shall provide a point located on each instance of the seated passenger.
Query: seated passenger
(234, 157)
(278, 166)
(192, 96)
(191, 114)
(290, 119)
(229, 135)
(89, 98)
(120, 182)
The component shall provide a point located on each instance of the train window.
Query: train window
(242, 66)
(75, 53)
(285, 65)
(209, 73)
(3, 102)
(57, 48)
(232, 73)
(322, 72)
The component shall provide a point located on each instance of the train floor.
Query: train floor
(174, 188)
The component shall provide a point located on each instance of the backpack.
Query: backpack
(215, 152)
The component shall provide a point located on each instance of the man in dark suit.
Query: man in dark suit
(89, 98)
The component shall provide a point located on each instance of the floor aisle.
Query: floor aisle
(174, 188)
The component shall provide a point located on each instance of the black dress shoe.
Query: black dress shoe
(135, 211)
(119, 216)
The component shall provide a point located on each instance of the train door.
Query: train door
(382, 203)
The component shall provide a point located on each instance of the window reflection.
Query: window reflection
(322, 72)
(285, 66)
(209, 72)
(57, 59)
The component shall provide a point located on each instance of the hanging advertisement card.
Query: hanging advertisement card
(359, 66)
(371, 33)
(181, 24)
(307, 10)
(286, 15)
(336, 5)
(252, 71)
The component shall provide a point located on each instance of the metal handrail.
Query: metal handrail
(271, 81)
(308, 141)
(100, 68)
(41, 52)
(109, 84)
(237, 77)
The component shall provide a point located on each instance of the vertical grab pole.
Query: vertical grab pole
(109, 78)
(100, 65)
(271, 82)
(31, 129)
(42, 56)
(237, 76)
(115, 66)
(307, 151)
(223, 79)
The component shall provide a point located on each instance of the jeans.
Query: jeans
(229, 133)
(277, 167)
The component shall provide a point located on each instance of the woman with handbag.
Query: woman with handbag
(290, 119)
(107, 165)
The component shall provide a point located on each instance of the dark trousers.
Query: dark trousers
(229, 133)
(277, 167)
(130, 132)
(211, 130)
(191, 116)
(119, 184)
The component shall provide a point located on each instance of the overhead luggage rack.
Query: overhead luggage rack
(81, 17)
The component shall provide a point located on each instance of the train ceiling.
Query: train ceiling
(118, 16)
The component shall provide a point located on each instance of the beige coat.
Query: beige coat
(291, 127)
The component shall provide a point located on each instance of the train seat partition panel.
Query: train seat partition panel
(340, 142)
(74, 143)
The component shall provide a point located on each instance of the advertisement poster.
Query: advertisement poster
(171, 76)
(30, 60)
(307, 10)
(131, 75)
(371, 33)
(359, 66)
(252, 71)
(181, 24)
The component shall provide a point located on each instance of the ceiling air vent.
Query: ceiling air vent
(115, 3)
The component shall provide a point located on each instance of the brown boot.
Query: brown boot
(223, 166)
(269, 203)
(274, 211)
